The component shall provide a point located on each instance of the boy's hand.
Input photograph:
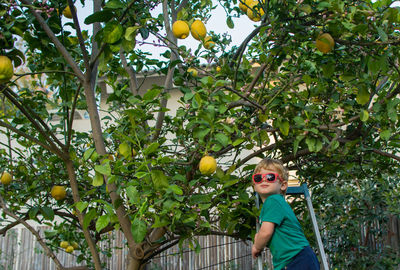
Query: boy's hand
(255, 252)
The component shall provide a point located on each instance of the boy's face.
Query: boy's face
(265, 188)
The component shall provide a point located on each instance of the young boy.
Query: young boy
(280, 229)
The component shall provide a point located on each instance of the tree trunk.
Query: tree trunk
(75, 194)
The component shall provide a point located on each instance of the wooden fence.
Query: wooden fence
(19, 250)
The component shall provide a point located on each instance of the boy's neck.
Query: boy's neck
(264, 197)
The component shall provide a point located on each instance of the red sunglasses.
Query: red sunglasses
(270, 177)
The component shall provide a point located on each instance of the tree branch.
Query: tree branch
(80, 38)
(55, 40)
(133, 84)
(71, 118)
(23, 134)
(244, 97)
(28, 114)
(385, 154)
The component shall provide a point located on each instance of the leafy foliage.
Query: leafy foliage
(273, 95)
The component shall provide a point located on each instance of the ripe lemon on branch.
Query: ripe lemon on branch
(198, 30)
(325, 43)
(180, 29)
(64, 244)
(58, 192)
(193, 71)
(243, 4)
(255, 11)
(69, 249)
(6, 69)
(67, 12)
(208, 43)
(207, 165)
(6, 178)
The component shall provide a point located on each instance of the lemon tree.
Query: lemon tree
(326, 105)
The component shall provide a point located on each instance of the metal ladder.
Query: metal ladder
(302, 190)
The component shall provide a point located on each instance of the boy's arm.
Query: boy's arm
(262, 238)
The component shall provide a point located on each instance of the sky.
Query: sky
(217, 23)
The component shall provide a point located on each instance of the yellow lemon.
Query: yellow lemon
(255, 11)
(58, 192)
(198, 30)
(6, 69)
(64, 244)
(67, 12)
(193, 71)
(325, 43)
(207, 165)
(243, 5)
(180, 29)
(208, 43)
(218, 69)
(69, 249)
(6, 178)
(75, 245)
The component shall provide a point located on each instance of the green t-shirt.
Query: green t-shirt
(288, 238)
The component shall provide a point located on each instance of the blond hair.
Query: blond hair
(275, 165)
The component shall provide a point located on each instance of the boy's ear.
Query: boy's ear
(284, 185)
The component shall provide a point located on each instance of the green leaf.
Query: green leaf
(133, 194)
(296, 143)
(229, 22)
(220, 83)
(160, 180)
(159, 222)
(98, 180)
(230, 183)
(311, 144)
(364, 115)
(200, 132)
(112, 32)
(139, 230)
(238, 141)
(130, 33)
(89, 217)
(385, 134)
(362, 95)
(382, 34)
(33, 212)
(104, 169)
(100, 16)
(115, 4)
(222, 139)
(144, 32)
(81, 206)
(47, 212)
(175, 189)
(284, 127)
(334, 144)
(88, 153)
(151, 148)
(307, 79)
(140, 174)
(102, 222)
(207, 80)
(151, 94)
(373, 66)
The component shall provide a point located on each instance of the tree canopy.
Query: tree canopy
(330, 113)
